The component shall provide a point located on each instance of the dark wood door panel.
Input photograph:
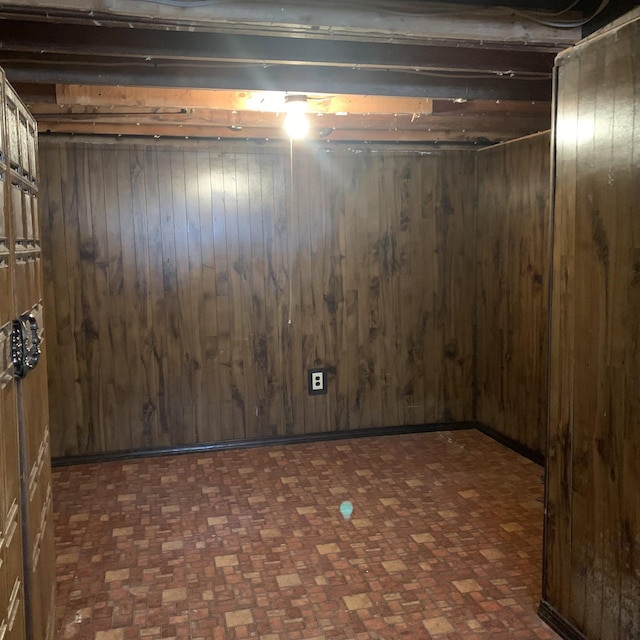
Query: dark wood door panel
(11, 559)
(26, 574)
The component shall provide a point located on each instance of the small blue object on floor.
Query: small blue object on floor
(346, 509)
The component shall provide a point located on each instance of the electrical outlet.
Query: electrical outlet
(317, 381)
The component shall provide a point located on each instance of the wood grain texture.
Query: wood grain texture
(27, 555)
(194, 287)
(513, 264)
(11, 513)
(592, 554)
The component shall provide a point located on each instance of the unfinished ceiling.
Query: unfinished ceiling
(387, 71)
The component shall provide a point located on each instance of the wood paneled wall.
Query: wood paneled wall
(191, 287)
(592, 543)
(513, 262)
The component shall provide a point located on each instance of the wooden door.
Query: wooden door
(31, 391)
(12, 619)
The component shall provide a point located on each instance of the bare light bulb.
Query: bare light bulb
(296, 123)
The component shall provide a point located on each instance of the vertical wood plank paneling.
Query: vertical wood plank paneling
(591, 289)
(512, 289)
(131, 400)
(209, 403)
(375, 314)
(184, 264)
(386, 254)
(428, 268)
(297, 322)
(117, 408)
(368, 319)
(351, 372)
(193, 293)
(559, 478)
(146, 410)
(328, 244)
(245, 268)
(409, 233)
(626, 159)
(51, 217)
(592, 559)
(223, 313)
(169, 333)
(317, 350)
(357, 308)
(458, 167)
(338, 204)
(69, 290)
(187, 354)
(258, 271)
(157, 341)
(283, 299)
(94, 430)
(237, 288)
(85, 319)
(618, 618)
(274, 408)
(308, 310)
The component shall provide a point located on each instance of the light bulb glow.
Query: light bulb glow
(296, 123)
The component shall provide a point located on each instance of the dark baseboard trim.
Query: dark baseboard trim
(516, 446)
(559, 624)
(261, 442)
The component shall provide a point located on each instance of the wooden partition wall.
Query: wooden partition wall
(513, 258)
(193, 287)
(592, 541)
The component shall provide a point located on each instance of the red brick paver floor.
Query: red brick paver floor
(444, 542)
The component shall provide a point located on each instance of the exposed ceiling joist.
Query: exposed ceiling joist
(212, 71)
(108, 96)
(71, 53)
(244, 119)
(150, 45)
(369, 20)
(82, 70)
(211, 113)
(443, 136)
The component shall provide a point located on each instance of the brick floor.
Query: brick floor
(444, 542)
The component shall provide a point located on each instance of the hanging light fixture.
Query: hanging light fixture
(296, 123)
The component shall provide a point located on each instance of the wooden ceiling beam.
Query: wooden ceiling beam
(247, 119)
(108, 96)
(269, 133)
(491, 107)
(154, 97)
(63, 69)
(151, 44)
